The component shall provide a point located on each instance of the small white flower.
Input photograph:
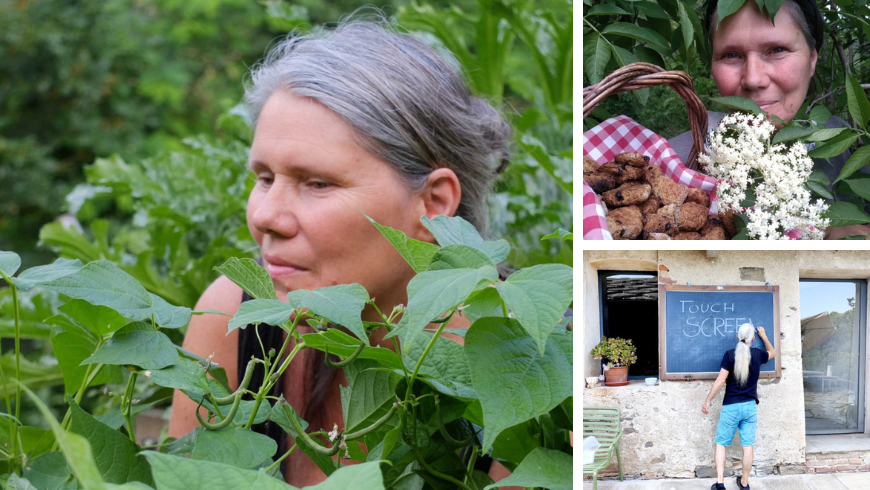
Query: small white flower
(333, 434)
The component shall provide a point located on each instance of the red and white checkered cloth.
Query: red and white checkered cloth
(622, 134)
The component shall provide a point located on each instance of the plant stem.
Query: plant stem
(423, 462)
(469, 470)
(128, 399)
(426, 353)
(282, 458)
(268, 382)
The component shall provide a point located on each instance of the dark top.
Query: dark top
(734, 393)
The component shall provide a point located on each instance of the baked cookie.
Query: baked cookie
(691, 216)
(687, 235)
(726, 216)
(633, 159)
(659, 236)
(713, 230)
(658, 223)
(630, 174)
(627, 194)
(698, 195)
(651, 173)
(589, 165)
(600, 182)
(625, 223)
(670, 211)
(651, 205)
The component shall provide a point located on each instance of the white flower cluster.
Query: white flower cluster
(740, 156)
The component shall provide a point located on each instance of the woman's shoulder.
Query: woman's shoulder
(222, 294)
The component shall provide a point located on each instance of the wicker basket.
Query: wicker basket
(636, 76)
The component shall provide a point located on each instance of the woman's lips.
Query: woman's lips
(282, 270)
(765, 105)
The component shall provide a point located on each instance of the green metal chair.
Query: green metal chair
(603, 423)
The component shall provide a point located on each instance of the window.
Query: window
(833, 325)
(629, 310)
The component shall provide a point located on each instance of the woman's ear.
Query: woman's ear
(814, 57)
(440, 196)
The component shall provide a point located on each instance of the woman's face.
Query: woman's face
(770, 65)
(305, 212)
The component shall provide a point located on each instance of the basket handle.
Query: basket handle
(636, 76)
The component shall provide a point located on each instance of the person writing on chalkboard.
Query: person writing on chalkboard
(739, 373)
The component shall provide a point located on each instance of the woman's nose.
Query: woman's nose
(273, 212)
(755, 75)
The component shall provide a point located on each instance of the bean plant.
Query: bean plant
(417, 415)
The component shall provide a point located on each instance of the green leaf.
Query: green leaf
(248, 275)
(73, 344)
(562, 234)
(341, 304)
(820, 189)
(458, 257)
(650, 9)
(736, 101)
(446, 368)
(203, 312)
(36, 276)
(137, 344)
(538, 297)
(363, 475)
(820, 177)
(853, 237)
(101, 320)
(186, 375)
(861, 187)
(268, 311)
(116, 455)
(542, 468)
(858, 159)
(236, 446)
(342, 344)
(606, 9)
(685, 25)
(513, 381)
(9, 263)
(834, 146)
(177, 473)
(636, 32)
(845, 213)
(772, 7)
(486, 302)
(820, 114)
(278, 415)
(48, 472)
(826, 134)
(457, 231)
(726, 8)
(790, 133)
(167, 315)
(515, 443)
(596, 54)
(33, 374)
(15, 482)
(416, 253)
(103, 283)
(859, 106)
(368, 391)
(431, 293)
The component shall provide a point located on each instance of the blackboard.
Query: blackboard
(698, 324)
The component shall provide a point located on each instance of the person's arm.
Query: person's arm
(717, 385)
(207, 335)
(771, 352)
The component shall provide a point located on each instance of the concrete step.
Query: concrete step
(831, 481)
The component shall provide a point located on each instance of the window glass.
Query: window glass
(629, 306)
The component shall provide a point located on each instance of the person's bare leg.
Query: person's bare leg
(747, 465)
(720, 463)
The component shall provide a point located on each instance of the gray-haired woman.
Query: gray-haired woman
(739, 371)
(358, 119)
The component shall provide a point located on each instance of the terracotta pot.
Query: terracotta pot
(616, 376)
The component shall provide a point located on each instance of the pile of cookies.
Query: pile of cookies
(649, 205)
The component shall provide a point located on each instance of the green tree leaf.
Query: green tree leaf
(845, 213)
(35, 276)
(342, 344)
(248, 275)
(369, 394)
(486, 302)
(268, 311)
(48, 472)
(858, 159)
(456, 231)
(596, 54)
(861, 187)
(859, 106)
(15, 482)
(363, 475)
(100, 320)
(820, 114)
(736, 101)
(167, 315)
(513, 381)
(116, 455)
(820, 189)
(606, 9)
(562, 234)
(542, 468)
(341, 304)
(825, 134)
(834, 146)
(9, 263)
(458, 257)
(538, 297)
(790, 133)
(416, 253)
(235, 446)
(186, 375)
(431, 293)
(446, 368)
(177, 473)
(650, 9)
(73, 344)
(103, 283)
(726, 8)
(634, 31)
(137, 344)
(772, 7)
(685, 25)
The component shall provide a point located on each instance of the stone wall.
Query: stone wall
(828, 462)
(828, 405)
(665, 433)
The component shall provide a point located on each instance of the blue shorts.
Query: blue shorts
(737, 415)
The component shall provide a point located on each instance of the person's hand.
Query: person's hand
(706, 407)
(761, 333)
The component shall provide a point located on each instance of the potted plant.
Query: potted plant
(619, 353)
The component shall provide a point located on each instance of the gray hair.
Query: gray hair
(407, 103)
(789, 6)
(742, 356)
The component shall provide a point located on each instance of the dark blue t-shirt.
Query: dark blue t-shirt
(734, 393)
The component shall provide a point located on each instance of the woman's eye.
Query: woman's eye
(318, 184)
(264, 180)
(778, 50)
(729, 56)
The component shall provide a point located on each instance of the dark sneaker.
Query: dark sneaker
(740, 485)
(714, 487)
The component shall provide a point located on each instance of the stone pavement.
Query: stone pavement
(830, 481)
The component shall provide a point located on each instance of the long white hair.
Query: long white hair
(742, 355)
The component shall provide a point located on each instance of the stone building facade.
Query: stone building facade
(665, 433)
